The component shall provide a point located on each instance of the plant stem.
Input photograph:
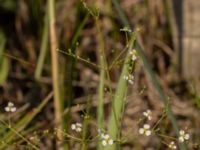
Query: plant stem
(55, 70)
(100, 108)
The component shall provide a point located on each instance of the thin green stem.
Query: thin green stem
(158, 122)
(118, 56)
(166, 136)
(100, 108)
(81, 59)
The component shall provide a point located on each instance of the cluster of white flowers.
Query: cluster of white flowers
(172, 145)
(145, 130)
(183, 136)
(133, 54)
(146, 127)
(129, 78)
(76, 127)
(10, 107)
(106, 140)
(148, 114)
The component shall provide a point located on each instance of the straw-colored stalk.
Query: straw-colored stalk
(55, 70)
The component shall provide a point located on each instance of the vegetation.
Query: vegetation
(93, 75)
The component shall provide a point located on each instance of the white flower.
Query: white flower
(106, 140)
(126, 29)
(145, 130)
(183, 136)
(148, 114)
(172, 145)
(129, 78)
(10, 107)
(77, 127)
(133, 54)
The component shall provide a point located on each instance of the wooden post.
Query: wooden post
(187, 36)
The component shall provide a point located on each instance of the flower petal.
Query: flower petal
(146, 126)
(187, 136)
(148, 133)
(181, 132)
(110, 142)
(181, 139)
(104, 143)
(141, 131)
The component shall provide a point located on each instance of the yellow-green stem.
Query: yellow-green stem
(55, 69)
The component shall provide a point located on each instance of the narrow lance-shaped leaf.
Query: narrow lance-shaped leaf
(118, 102)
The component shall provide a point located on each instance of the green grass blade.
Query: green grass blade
(43, 49)
(2, 43)
(4, 69)
(4, 64)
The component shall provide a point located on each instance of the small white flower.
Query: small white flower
(129, 78)
(183, 136)
(172, 145)
(106, 140)
(77, 127)
(126, 29)
(133, 54)
(10, 107)
(145, 130)
(148, 114)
